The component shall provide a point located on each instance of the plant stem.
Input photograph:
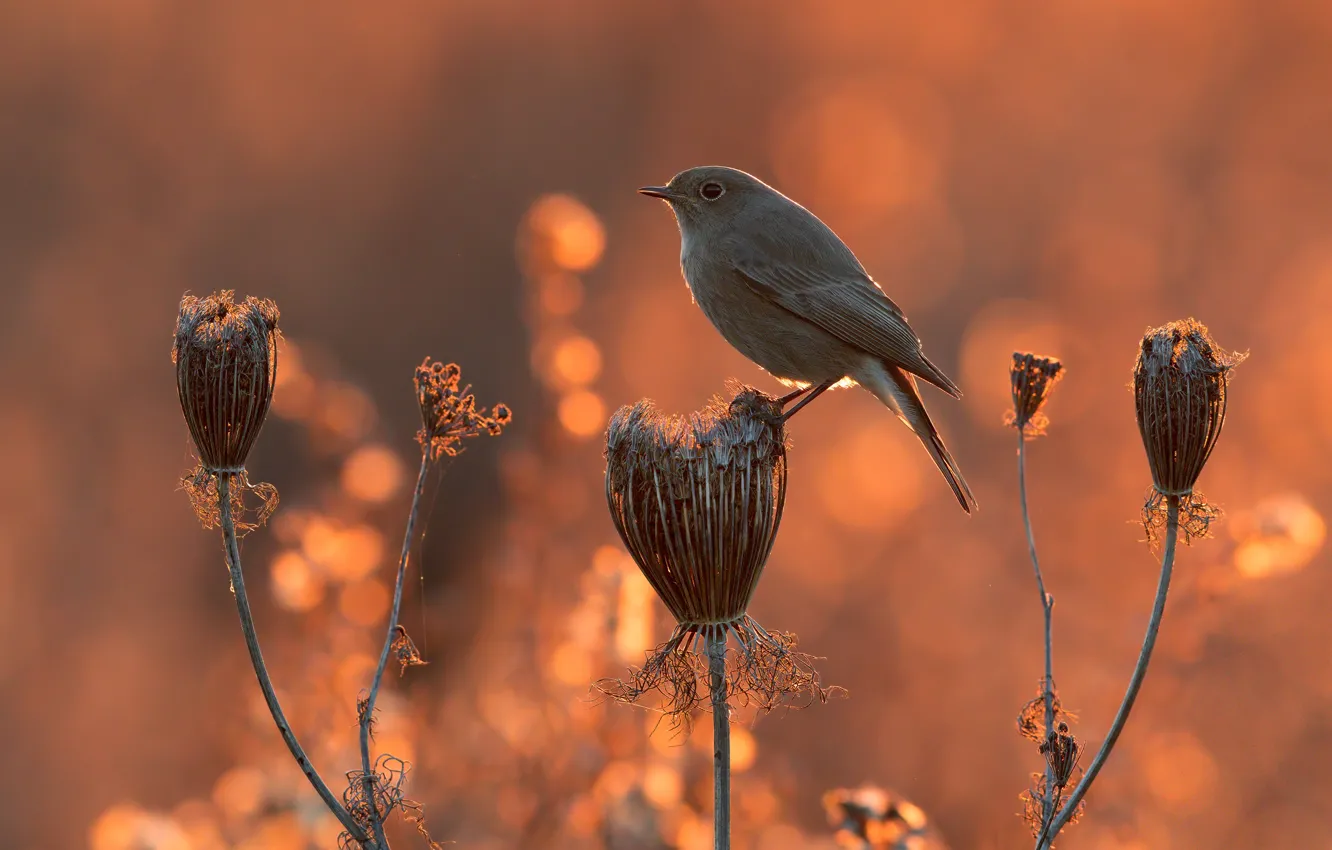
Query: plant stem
(721, 741)
(1047, 606)
(261, 670)
(368, 712)
(1135, 682)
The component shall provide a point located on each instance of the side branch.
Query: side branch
(1047, 607)
(1135, 682)
(367, 711)
(261, 670)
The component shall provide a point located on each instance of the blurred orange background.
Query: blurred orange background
(457, 179)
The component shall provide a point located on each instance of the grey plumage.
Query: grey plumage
(786, 292)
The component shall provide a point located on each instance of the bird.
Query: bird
(785, 291)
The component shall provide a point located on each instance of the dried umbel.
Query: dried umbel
(697, 501)
(226, 367)
(448, 410)
(1179, 387)
(1033, 378)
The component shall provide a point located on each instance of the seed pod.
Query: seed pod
(1179, 386)
(226, 367)
(697, 501)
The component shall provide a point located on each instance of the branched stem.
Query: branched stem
(1047, 606)
(721, 741)
(1135, 682)
(368, 711)
(261, 670)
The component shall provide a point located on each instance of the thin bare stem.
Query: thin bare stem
(721, 741)
(368, 711)
(261, 670)
(1047, 606)
(1135, 682)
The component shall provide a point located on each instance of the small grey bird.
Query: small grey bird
(789, 295)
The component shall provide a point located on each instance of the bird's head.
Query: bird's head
(708, 193)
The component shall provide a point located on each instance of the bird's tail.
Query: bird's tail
(897, 389)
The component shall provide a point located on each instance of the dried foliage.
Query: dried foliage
(1033, 379)
(449, 413)
(370, 799)
(1031, 720)
(1043, 800)
(1180, 381)
(872, 818)
(404, 650)
(697, 500)
(764, 671)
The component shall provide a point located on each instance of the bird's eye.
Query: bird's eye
(711, 191)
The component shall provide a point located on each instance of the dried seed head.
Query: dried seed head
(1033, 378)
(1062, 752)
(449, 413)
(226, 366)
(1179, 386)
(697, 501)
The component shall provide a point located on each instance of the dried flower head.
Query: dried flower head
(1033, 378)
(226, 367)
(1179, 385)
(1062, 752)
(449, 413)
(697, 501)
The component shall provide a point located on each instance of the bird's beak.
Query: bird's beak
(658, 192)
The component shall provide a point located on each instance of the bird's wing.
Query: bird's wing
(844, 301)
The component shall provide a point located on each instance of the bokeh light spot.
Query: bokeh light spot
(872, 478)
(561, 231)
(372, 474)
(239, 792)
(1279, 535)
(662, 785)
(1180, 772)
(577, 360)
(582, 413)
(297, 586)
(364, 603)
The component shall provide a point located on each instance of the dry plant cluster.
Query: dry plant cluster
(697, 501)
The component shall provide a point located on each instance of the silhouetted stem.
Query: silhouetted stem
(721, 742)
(367, 713)
(1135, 682)
(261, 670)
(1047, 606)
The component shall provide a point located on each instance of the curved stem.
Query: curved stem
(721, 741)
(261, 670)
(1047, 606)
(1135, 682)
(368, 712)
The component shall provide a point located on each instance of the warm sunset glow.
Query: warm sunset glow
(458, 181)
